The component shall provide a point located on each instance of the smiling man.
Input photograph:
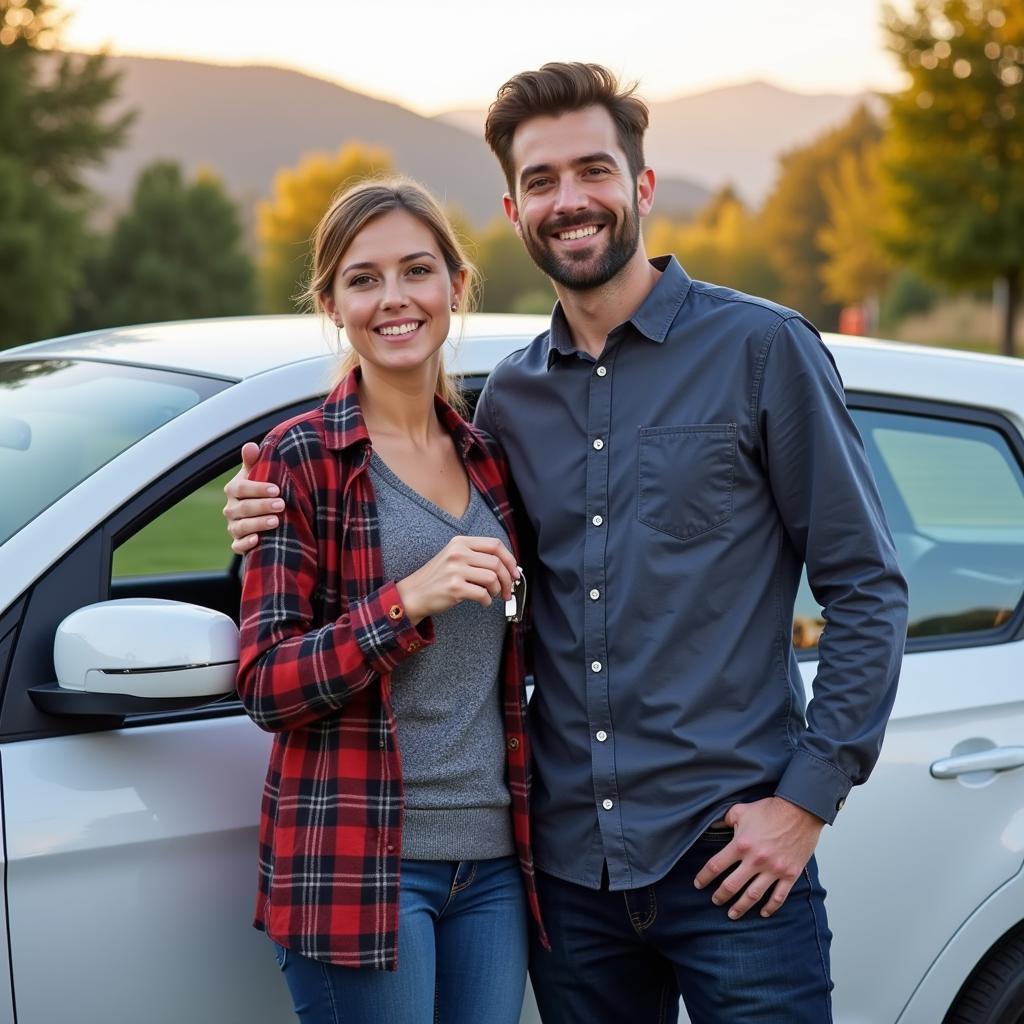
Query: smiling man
(681, 451)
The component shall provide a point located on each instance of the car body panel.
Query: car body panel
(152, 824)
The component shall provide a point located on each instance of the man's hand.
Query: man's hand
(251, 506)
(772, 842)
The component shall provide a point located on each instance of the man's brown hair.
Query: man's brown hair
(561, 88)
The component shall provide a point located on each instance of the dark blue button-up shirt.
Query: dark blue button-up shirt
(676, 486)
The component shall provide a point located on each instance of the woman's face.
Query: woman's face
(393, 294)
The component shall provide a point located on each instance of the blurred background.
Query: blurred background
(862, 162)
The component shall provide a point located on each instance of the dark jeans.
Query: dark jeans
(627, 956)
(461, 954)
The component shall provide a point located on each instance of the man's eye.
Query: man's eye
(536, 183)
(597, 171)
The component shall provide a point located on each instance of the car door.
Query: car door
(940, 825)
(131, 851)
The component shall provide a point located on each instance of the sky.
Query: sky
(435, 55)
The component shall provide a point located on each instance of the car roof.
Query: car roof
(239, 347)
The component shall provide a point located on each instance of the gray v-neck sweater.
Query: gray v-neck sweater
(447, 698)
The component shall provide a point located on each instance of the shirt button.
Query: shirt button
(598, 443)
(414, 646)
(597, 520)
(607, 804)
(602, 371)
(391, 847)
(595, 666)
(601, 735)
(513, 743)
(395, 611)
(595, 594)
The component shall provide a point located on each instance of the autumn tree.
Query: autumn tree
(511, 281)
(54, 123)
(176, 253)
(857, 267)
(955, 151)
(286, 222)
(797, 209)
(722, 244)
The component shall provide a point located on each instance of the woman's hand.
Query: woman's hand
(465, 569)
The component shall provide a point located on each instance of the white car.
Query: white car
(129, 822)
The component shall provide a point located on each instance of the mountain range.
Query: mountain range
(247, 122)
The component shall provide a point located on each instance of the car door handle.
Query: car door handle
(997, 759)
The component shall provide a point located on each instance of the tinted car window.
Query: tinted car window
(954, 497)
(60, 420)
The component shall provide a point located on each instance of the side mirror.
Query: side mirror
(138, 656)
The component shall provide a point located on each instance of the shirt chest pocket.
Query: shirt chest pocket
(685, 477)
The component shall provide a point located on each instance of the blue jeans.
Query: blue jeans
(627, 956)
(462, 952)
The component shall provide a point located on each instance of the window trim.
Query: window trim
(1013, 628)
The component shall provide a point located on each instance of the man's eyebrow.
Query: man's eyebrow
(599, 157)
(369, 264)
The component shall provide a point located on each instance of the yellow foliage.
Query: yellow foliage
(856, 267)
(285, 223)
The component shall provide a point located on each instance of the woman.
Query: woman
(373, 622)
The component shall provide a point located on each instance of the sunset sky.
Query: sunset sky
(433, 55)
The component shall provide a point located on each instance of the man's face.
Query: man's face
(577, 207)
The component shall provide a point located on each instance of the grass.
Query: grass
(189, 537)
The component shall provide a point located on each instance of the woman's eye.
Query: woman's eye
(419, 271)
(359, 279)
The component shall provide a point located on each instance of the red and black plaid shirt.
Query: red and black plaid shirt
(321, 631)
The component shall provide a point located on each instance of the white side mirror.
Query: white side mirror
(146, 647)
(139, 656)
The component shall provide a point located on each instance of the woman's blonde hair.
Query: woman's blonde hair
(349, 213)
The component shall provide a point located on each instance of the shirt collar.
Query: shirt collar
(345, 428)
(652, 320)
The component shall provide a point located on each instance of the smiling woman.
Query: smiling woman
(372, 620)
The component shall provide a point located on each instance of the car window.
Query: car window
(61, 419)
(188, 537)
(954, 497)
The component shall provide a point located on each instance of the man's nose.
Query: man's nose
(570, 197)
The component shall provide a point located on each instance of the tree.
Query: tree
(511, 281)
(176, 253)
(797, 210)
(285, 224)
(857, 267)
(53, 126)
(723, 244)
(955, 151)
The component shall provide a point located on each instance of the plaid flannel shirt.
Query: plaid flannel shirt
(321, 631)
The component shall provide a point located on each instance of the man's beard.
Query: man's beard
(581, 271)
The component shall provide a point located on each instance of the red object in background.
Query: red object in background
(852, 320)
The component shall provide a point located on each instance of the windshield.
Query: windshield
(60, 420)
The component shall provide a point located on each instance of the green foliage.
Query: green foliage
(955, 151)
(285, 224)
(724, 244)
(53, 126)
(511, 280)
(797, 210)
(906, 295)
(176, 253)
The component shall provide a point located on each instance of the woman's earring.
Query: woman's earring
(455, 307)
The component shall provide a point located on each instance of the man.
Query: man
(681, 452)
